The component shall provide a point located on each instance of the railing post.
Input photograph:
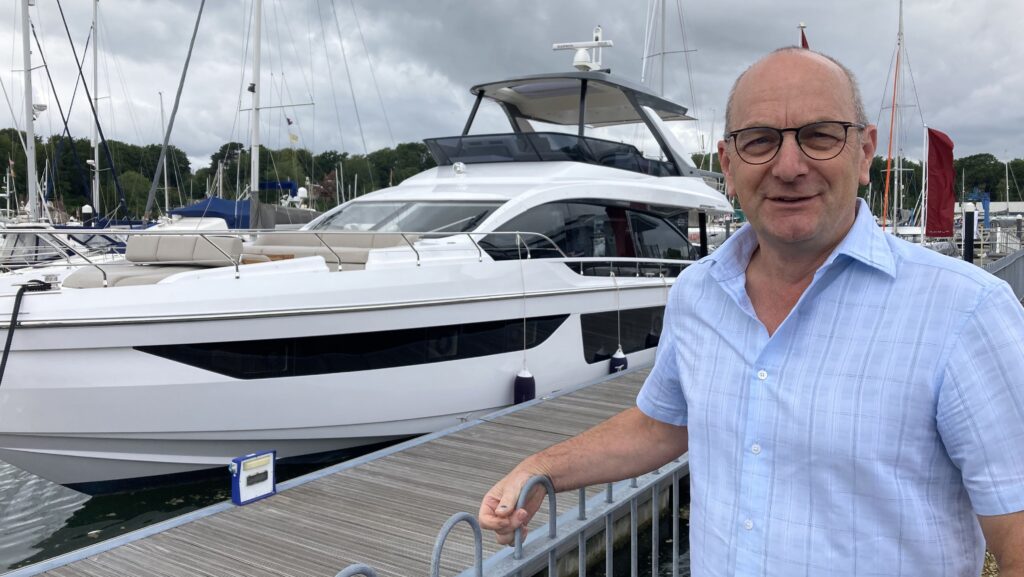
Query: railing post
(357, 569)
(478, 544)
(552, 511)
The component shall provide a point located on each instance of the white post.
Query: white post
(924, 184)
(96, 107)
(163, 124)
(254, 165)
(30, 135)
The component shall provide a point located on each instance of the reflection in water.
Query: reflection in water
(31, 509)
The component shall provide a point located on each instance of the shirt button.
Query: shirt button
(755, 449)
(748, 524)
(762, 375)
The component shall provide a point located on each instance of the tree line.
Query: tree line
(331, 176)
(327, 176)
(983, 172)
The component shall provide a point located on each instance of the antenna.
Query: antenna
(582, 59)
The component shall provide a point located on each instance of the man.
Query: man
(852, 404)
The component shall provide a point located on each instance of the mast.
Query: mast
(30, 136)
(661, 74)
(893, 119)
(254, 165)
(163, 124)
(96, 104)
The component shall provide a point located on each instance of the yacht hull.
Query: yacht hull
(84, 404)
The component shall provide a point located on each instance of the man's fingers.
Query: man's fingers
(507, 504)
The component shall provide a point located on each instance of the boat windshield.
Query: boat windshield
(399, 216)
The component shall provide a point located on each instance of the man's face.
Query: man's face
(794, 202)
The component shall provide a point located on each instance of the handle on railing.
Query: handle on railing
(442, 536)
(552, 511)
(357, 569)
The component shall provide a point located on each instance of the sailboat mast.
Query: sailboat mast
(163, 124)
(30, 136)
(889, 176)
(96, 104)
(254, 166)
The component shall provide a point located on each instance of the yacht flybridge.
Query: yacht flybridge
(398, 313)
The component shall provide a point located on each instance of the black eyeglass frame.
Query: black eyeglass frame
(796, 134)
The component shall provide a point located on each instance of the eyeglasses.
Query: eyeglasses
(819, 141)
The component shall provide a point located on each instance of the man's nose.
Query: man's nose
(790, 162)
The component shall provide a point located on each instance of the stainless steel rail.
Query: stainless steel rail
(569, 533)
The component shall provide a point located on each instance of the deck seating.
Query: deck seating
(353, 249)
(152, 258)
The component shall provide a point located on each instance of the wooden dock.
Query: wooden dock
(384, 510)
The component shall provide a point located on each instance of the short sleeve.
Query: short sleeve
(980, 408)
(661, 397)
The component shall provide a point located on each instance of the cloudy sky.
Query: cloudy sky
(407, 65)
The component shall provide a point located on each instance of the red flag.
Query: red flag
(941, 196)
(803, 39)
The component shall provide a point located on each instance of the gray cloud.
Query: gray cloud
(965, 59)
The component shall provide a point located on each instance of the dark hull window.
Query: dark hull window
(269, 358)
(640, 329)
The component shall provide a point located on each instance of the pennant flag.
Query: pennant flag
(290, 122)
(803, 39)
(941, 196)
(294, 138)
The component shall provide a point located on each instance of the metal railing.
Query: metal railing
(75, 257)
(569, 533)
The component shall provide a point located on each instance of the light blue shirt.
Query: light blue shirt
(864, 436)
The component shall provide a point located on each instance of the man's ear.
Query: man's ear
(868, 145)
(726, 162)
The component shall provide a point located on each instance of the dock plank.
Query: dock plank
(385, 513)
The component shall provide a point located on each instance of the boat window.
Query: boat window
(545, 146)
(581, 229)
(657, 238)
(407, 216)
(329, 354)
(634, 329)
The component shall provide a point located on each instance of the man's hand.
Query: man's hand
(498, 511)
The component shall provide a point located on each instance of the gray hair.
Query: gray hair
(858, 102)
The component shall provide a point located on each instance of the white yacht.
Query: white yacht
(399, 313)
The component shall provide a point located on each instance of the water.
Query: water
(40, 520)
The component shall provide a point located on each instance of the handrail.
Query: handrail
(221, 251)
(442, 536)
(572, 530)
(328, 247)
(323, 242)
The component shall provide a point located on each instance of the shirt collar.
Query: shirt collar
(865, 243)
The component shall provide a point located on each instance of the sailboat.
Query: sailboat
(934, 210)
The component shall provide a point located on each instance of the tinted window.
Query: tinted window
(659, 239)
(640, 329)
(328, 354)
(591, 230)
(547, 219)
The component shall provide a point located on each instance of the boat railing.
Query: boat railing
(345, 249)
(615, 513)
